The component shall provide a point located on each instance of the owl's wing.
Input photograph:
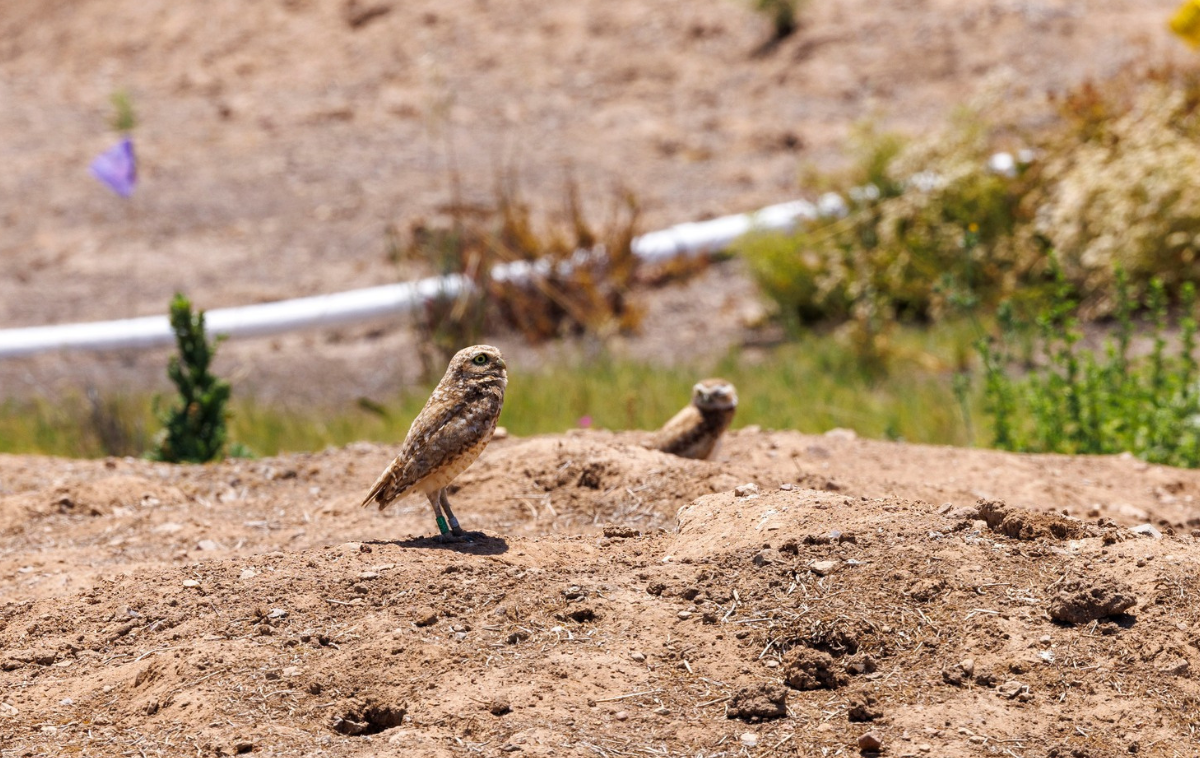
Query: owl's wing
(440, 433)
(667, 438)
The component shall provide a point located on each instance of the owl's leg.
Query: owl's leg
(437, 511)
(454, 527)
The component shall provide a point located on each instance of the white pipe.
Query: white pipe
(365, 304)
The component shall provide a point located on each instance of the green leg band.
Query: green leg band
(441, 521)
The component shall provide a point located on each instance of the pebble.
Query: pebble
(248, 573)
(748, 739)
(207, 545)
(746, 490)
(621, 715)
(869, 742)
(823, 568)
(190, 583)
(685, 615)
(291, 671)
(638, 656)
(787, 487)
(1147, 530)
(369, 575)
(277, 613)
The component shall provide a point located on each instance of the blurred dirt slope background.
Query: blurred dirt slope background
(279, 139)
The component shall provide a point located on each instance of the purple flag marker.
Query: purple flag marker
(116, 168)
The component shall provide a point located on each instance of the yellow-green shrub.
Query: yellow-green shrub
(931, 226)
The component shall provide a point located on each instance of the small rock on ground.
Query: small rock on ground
(1147, 530)
(745, 490)
(870, 742)
(824, 568)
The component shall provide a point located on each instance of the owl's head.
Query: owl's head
(714, 395)
(479, 362)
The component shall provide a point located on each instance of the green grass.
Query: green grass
(811, 385)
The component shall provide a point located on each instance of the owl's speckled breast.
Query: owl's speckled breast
(455, 466)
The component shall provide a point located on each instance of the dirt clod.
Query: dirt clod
(1028, 525)
(959, 673)
(372, 718)
(425, 616)
(864, 707)
(1083, 601)
(767, 557)
(758, 702)
(617, 531)
(808, 669)
(924, 590)
(500, 706)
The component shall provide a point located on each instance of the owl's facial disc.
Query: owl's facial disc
(714, 395)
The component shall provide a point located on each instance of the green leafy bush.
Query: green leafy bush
(1080, 400)
(194, 426)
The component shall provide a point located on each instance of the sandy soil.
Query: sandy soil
(279, 139)
(620, 602)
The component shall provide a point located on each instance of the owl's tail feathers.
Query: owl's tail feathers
(384, 491)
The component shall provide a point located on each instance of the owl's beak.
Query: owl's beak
(503, 365)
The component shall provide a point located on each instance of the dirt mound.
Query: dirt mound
(595, 478)
(776, 616)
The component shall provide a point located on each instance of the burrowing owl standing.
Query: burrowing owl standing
(695, 431)
(449, 434)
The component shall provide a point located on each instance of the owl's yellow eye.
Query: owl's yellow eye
(480, 359)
